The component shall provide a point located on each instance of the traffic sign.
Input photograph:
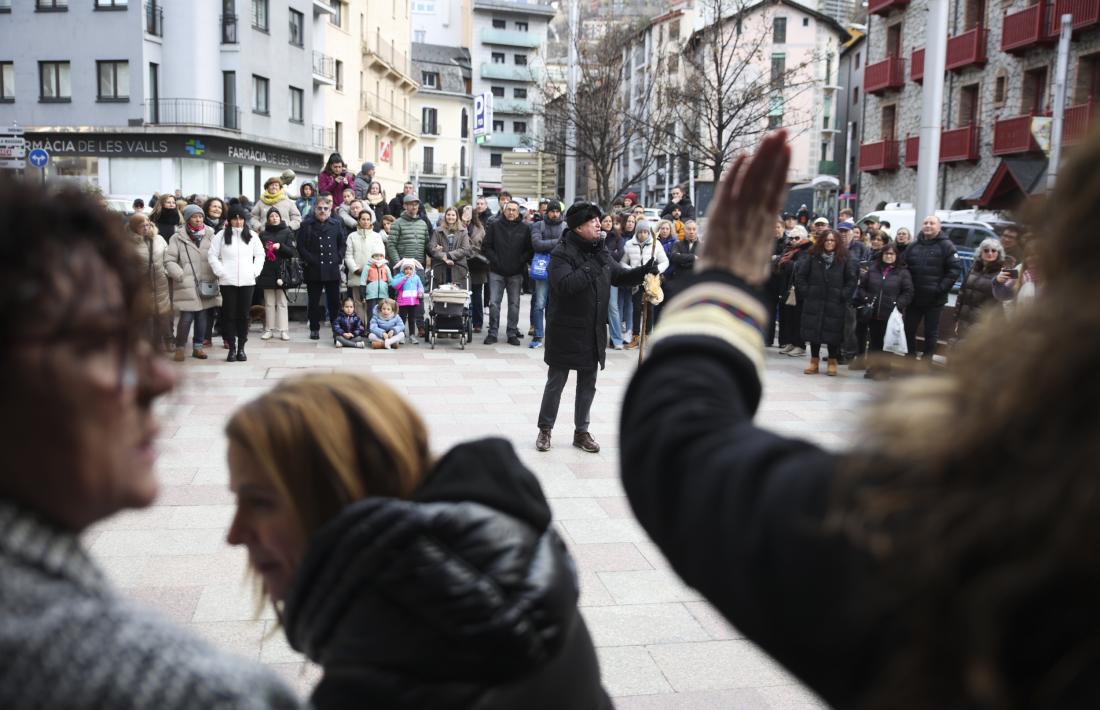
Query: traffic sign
(12, 147)
(483, 114)
(38, 158)
(12, 164)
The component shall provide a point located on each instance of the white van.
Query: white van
(902, 214)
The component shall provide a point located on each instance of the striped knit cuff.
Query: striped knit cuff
(721, 311)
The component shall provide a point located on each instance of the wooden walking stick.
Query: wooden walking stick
(645, 303)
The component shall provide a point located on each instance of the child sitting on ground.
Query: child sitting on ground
(386, 329)
(375, 282)
(410, 289)
(347, 328)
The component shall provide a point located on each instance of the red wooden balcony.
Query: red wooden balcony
(912, 151)
(916, 66)
(1027, 28)
(968, 49)
(1013, 135)
(1086, 14)
(959, 144)
(874, 157)
(885, 7)
(1077, 121)
(884, 76)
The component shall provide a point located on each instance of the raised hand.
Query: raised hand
(740, 234)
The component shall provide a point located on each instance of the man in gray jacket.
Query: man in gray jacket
(545, 235)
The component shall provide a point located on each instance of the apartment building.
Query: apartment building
(441, 165)
(135, 97)
(849, 117)
(997, 93)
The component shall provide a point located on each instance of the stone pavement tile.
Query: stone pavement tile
(151, 543)
(176, 603)
(229, 601)
(145, 518)
(240, 637)
(606, 530)
(712, 621)
(652, 554)
(202, 516)
(212, 473)
(302, 677)
(630, 670)
(642, 624)
(576, 509)
(735, 699)
(714, 665)
(597, 469)
(593, 593)
(791, 697)
(647, 587)
(275, 648)
(608, 557)
(195, 495)
(616, 507)
(176, 475)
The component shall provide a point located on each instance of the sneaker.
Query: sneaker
(514, 340)
(535, 344)
(584, 441)
(361, 345)
(797, 352)
(786, 349)
(314, 335)
(616, 346)
(337, 343)
(490, 340)
(285, 335)
(542, 443)
(413, 340)
(267, 335)
(377, 344)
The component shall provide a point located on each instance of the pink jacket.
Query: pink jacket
(335, 186)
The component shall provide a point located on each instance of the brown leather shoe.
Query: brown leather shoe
(180, 355)
(542, 443)
(198, 354)
(830, 368)
(634, 342)
(584, 441)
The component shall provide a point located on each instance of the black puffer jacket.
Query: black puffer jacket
(824, 292)
(976, 293)
(285, 238)
(886, 288)
(462, 598)
(508, 246)
(935, 266)
(581, 275)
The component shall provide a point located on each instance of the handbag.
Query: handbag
(207, 289)
(540, 266)
(866, 310)
(291, 272)
(792, 299)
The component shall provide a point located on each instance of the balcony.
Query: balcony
(1013, 135)
(530, 40)
(912, 151)
(1077, 121)
(509, 72)
(154, 19)
(916, 66)
(827, 167)
(192, 112)
(1020, 31)
(324, 138)
(967, 49)
(883, 76)
(885, 7)
(513, 106)
(383, 56)
(229, 29)
(389, 116)
(324, 69)
(507, 140)
(875, 157)
(1086, 14)
(959, 144)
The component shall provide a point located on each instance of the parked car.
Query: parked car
(652, 214)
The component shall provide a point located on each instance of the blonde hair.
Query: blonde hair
(387, 302)
(329, 440)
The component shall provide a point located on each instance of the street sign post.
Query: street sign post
(38, 158)
(483, 114)
(13, 149)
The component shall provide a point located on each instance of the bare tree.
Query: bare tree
(730, 88)
(606, 128)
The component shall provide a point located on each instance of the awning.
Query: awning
(490, 185)
(1013, 182)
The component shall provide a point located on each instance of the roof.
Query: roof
(1014, 180)
(451, 63)
(522, 8)
(855, 38)
(749, 9)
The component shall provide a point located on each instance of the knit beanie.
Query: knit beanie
(238, 211)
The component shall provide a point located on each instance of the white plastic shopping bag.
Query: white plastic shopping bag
(894, 341)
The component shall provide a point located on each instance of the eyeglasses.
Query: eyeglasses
(987, 250)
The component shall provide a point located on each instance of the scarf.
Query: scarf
(269, 250)
(828, 257)
(196, 235)
(268, 199)
(373, 200)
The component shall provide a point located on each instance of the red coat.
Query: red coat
(335, 186)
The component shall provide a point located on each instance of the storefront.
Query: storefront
(128, 165)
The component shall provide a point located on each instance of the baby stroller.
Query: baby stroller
(448, 313)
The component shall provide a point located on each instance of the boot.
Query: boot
(830, 368)
(198, 354)
(241, 357)
(859, 362)
(180, 355)
(542, 443)
(584, 441)
(634, 341)
(813, 368)
(231, 344)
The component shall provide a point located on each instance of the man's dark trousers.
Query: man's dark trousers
(551, 397)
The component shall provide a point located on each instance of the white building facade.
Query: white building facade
(441, 164)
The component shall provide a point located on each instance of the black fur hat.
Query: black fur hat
(580, 213)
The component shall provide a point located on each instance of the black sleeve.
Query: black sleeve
(952, 267)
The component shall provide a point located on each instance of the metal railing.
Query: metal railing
(229, 29)
(390, 113)
(154, 19)
(386, 51)
(192, 112)
(324, 137)
(324, 66)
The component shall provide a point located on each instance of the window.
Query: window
(7, 81)
(430, 79)
(975, 14)
(779, 30)
(462, 162)
(498, 91)
(259, 95)
(519, 126)
(428, 121)
(1034, 90)
(857, 60)
(499, 24)
(53, 81)
(338, 135)
(424, 6)
(465, 124)
(855, 94)
(829, 69)
(779, 71)
(297, 103)
(498, 57)
(805, 22)
(339, 65)
(498, 126)
(893, 40)
(420, 36)
(51, 5)
(775, 112)
(1088, 79)
(968, 104)
(110, 4)
(999, 91)
(259, 15)
(521, 60)
(673, 63)
(113, 81)
(297, 28)
(673, 30)
(521, 26)
(496, 160)
(519, 93)
(429, 160)
(231, 118)
(337, 17)
(5, 6)
(889, 122)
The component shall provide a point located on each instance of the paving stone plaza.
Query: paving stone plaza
(659, 644)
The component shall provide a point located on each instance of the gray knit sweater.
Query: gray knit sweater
(67, 640)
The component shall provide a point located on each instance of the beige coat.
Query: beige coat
(360, 248)
(180, 254)
(150, 253)
(287, 210)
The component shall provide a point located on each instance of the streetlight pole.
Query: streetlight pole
(1059, 111)
(931, 111)
(571, 124)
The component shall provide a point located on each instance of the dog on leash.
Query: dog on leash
(256, 315)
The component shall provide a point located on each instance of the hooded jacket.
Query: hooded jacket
(463, 597)
(150, 255)
(546, 234)
(508, 246)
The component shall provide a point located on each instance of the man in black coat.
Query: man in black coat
(581, 274)
(507, 245)
(321, 245)
(679, 199)
(935, 267)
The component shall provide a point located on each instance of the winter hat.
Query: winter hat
(190, 210)
(410, 198)
(552, 204)
(237, 211)
(580, 213)
(632, 196)
(367, 167)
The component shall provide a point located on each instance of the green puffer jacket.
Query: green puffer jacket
(408, 240)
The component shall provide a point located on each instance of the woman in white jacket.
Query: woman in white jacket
(236, 257)
(362, 244)
(636, 252)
